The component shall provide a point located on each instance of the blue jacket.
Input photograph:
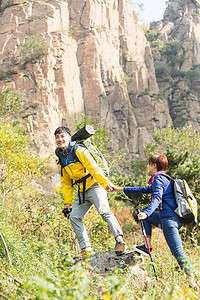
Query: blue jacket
(161, 188)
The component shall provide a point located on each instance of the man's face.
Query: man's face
(62, 140)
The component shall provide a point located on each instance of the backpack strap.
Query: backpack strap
(172, 181)
(73, 150)
(83, 179)
(170, 178)
(168, 204)
(58, 154)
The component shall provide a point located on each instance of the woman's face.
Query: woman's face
(152, 169)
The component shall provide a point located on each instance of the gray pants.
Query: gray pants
(98, 196)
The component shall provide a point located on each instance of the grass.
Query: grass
(41, 244)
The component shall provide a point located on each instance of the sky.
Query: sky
(153, 10)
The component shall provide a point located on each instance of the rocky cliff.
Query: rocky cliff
(73, 57)
(180, 32)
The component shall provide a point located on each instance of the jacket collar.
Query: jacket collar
(152, 177)
(67, 151)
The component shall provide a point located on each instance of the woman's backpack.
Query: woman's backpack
(187, 208)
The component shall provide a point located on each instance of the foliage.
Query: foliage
(18, 164)
(172, 47)
(41, 241)
(157, 44)
(192, 75)
(9, 103)
(162, 69)
(42, 264)
(32, 49)
(152, 35)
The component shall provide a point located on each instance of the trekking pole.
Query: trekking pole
(145, 237)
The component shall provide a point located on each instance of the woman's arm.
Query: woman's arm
(157, 193)
(138, 190)
(133, 190)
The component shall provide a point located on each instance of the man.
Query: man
(92, 187)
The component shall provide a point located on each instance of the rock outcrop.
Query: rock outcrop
(181, 23)
(74, 57)
(92, 57)
(106, 262)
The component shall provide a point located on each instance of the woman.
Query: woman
(161, 188)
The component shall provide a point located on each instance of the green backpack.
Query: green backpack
(82, 138)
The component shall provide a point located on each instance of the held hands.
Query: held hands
(112, 188)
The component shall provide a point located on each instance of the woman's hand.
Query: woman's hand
(117, 189)
(142, 216)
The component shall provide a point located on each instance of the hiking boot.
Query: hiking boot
(84, 253)
(120, 248)
(141, 249)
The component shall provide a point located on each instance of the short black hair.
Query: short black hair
(62, 129)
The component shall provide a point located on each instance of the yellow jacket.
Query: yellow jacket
(75, 170)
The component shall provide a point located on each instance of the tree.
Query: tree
(182, 148)
(19, 165)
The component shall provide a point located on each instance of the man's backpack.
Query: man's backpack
(82, 138)
(185, 200)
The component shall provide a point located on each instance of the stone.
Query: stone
(105, 262)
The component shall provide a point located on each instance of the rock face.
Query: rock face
(87, 57)
(92, 57)
(181, 22)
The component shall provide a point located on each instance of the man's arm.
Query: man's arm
(67, 188)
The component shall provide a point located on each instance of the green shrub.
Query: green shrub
(192, 75)
(32, 49)
(152, 35)
(162, 69)
(9, 103)
(172, 47)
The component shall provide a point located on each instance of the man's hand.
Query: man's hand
(67, 210)
(67, 206)
(142, 216)
(110, 187)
